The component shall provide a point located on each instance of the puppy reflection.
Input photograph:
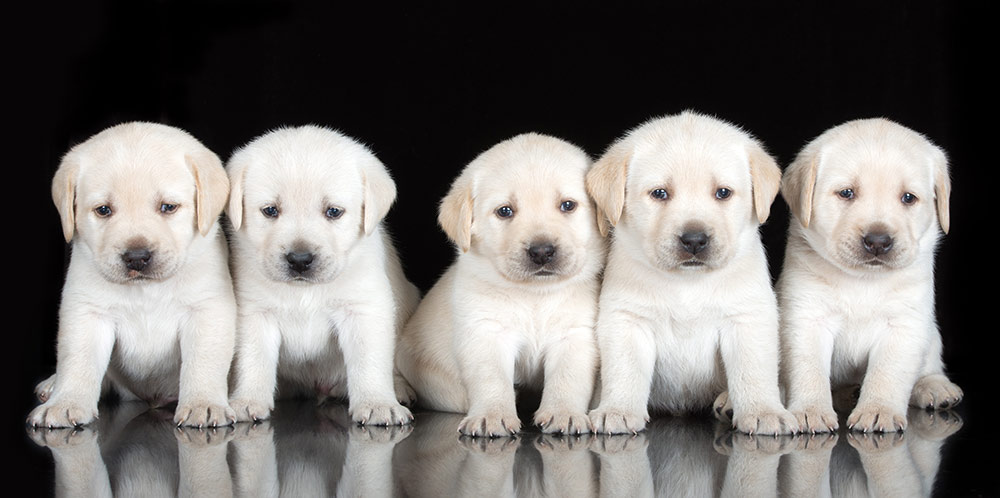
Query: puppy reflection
(870, 464)
(689, 457)
(306, 450)
(435, 461)
(135, 451)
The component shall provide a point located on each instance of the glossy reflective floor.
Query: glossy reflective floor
(309, 450)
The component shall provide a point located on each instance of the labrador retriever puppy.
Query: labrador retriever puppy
(320, 289)
(517, 307)
(686, 307)
(148, 307)
(868, 200)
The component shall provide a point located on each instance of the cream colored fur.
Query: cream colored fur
(847, 316)
(677, 330)
(161, 333)
(330, 330)
(495, 319)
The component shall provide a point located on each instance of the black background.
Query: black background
(428, 88)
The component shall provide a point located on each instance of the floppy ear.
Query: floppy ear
(380, 193)
(797, 186)
(765, 178)
(212, 186)
(234, 209)
(606, 184)
(942, 188)
(64, 195)
(455, 212)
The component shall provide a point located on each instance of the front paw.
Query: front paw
(766, 421)
(61, 413)
(815, 419)
(203, 414)
(876, 418)
(874, 443)
(375, 413)
(618, 421)
(491, 423)
(935, 392)
(250, 410)
(561, 421)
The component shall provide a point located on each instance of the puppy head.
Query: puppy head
(866, 194)
(136, 195)
(302, 198)
(522, 205)
(687, 189)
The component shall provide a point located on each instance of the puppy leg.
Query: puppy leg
(82, 355)
(892, 372)
(808, 353)
(628, 356)
(750, 355)
(255, 368)
(570, 368)
(368, 343)
(486, 358)
(206, 355)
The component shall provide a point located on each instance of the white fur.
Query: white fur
(491, 322)
(332, 331)
(845, 319)
(675, 336)
(161, 334)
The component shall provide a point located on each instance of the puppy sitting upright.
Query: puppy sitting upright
(148, 307)
(857, 287)
(320, 288)
(518, 305)
(687, 310)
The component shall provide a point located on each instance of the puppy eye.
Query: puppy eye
(103, 211)
(567, 206)
(334, 212)
(505, 211)
(847, 193)
(908, 198)
(168, 208)
(270, 211)
(659, 193)
(723, 193)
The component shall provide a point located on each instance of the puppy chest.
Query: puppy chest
(688, 366)
(306, 335)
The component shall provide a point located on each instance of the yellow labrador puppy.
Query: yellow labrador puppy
(517, 308)
(319, 286)
(869, 199)
(687, 309)
(148, 305)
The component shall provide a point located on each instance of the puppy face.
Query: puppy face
(686, 189)
(522, 205)
(137, 195)
(302, 199)
(867, 191)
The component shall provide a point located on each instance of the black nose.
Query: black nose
(136, 259)
(877, 243)
(541, 253)
(299, 261)
(694, 242)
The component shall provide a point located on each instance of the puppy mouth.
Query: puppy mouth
(693, 263)
(544, 273)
